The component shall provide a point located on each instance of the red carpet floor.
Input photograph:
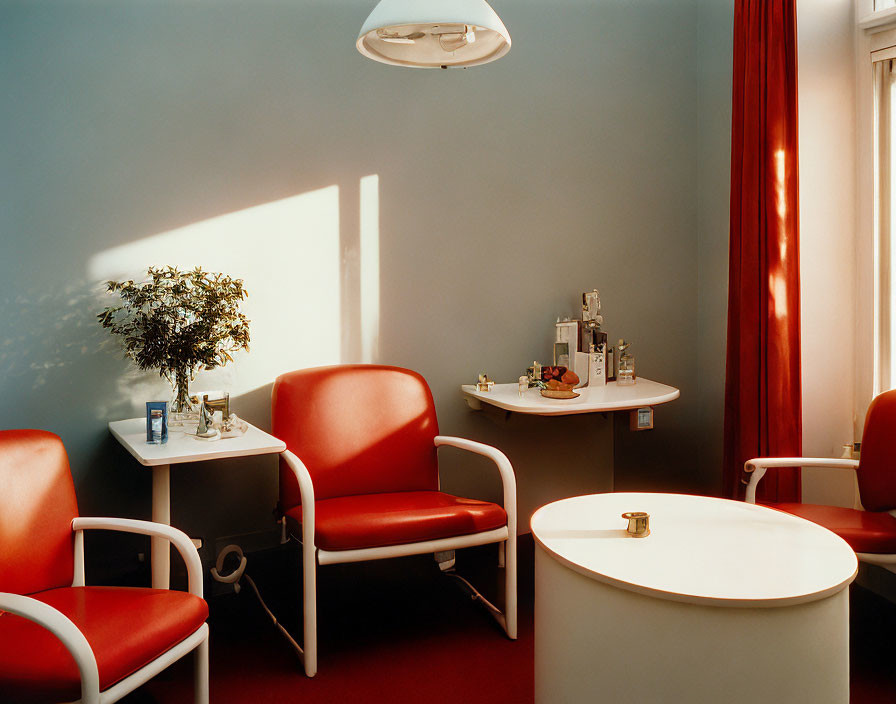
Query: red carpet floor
(398, 631)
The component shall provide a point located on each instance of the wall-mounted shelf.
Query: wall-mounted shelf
(590, 400)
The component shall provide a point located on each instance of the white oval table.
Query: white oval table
(723, 602)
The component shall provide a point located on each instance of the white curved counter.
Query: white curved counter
(591, 399)
(723, 601)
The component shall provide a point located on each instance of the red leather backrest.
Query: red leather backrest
(359, 429)
(877, 466)
(37, 505)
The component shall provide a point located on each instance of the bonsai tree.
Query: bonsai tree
(178, 322)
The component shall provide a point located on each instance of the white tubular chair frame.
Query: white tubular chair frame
(756, 469)
(75, 642)
(67, 632)
(312, 556)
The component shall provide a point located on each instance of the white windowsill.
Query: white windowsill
(879, 21)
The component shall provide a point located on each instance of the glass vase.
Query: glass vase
(182, 410)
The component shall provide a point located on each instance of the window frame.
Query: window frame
(875, 32)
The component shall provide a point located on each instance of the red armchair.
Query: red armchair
(360, 480)
(870, 532)
(59, 639)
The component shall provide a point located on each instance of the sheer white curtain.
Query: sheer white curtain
(884, 66)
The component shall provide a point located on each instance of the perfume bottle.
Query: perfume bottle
(155, 418)
(156, 422)
(625, 376)
(620, 348)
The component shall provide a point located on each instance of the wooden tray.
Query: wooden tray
(550, 393)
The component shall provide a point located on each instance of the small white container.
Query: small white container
(597, 368)
(581, 369)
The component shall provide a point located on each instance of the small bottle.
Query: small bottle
(611, 367)
(620, 348)
(156, 422)
(626, 374)
(523, 385)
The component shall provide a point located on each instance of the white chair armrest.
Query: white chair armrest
(505, 469)
(306, 490)
(67, 632)
(756, 468)
(177, 538)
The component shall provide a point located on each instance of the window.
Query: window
(884, 78)
(875, 244)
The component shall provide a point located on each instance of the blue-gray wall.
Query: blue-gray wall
(594, 155)
(714, 28)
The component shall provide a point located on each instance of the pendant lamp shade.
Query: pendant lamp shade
(433, 33)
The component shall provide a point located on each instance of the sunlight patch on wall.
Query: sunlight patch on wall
(287, 253)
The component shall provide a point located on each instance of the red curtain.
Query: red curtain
(762, 380)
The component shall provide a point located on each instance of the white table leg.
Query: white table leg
(161, 513)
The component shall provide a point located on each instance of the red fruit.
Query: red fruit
(570, 377)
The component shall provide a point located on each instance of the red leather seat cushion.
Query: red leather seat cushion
(378, 520)
(126, 628)
(865, 531)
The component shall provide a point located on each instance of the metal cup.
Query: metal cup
(638, 523)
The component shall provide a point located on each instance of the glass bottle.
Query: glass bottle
(625, 372)
(156, 423)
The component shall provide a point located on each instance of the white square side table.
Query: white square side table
(181, 447)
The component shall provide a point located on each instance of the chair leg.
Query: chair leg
(309, 608)
(507, 560)
(200, 673)
(510, 586)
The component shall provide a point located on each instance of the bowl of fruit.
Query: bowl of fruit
(559, 382)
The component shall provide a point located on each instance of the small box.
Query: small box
(156, 422)
(568, 332)
(597, 368)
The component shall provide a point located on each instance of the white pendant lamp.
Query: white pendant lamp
(433, 33)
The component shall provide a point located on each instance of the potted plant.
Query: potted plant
(179, 322)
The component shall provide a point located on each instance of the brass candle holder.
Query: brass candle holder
(638, 523)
